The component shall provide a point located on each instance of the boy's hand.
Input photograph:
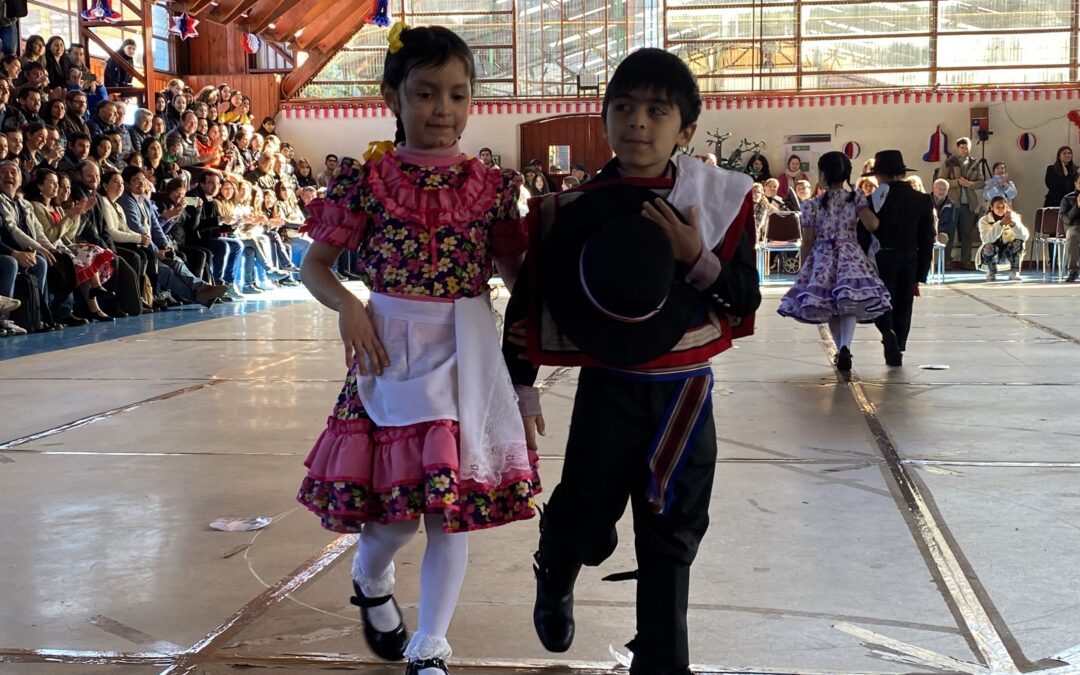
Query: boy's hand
(685, 239)
(361, 340)
(534, 424)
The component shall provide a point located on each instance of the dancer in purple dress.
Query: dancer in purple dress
(836, 284)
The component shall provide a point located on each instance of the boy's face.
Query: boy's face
(643, 128)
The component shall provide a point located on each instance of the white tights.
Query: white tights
(441, 576)
(842, 329)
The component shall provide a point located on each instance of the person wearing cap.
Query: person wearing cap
(640, 286)
(579, 171)
(906, 234)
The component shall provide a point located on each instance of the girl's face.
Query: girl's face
(176, 196)
(63, 189)
(269, 200)
(15, 69)
(160, 103)
(50, 186)
(227, 191)
(793, 164)
(756, 193)
(58, 109)
(153, 151)
(1000, 170)
(129, 50)
(999, 208)
(303, 168)
(115, 186)
(158, 126)
(136, 160)
(1065, 156)
(58, 48)
(236, 99)
(538, 182)
(180, 103)
(203, 126)
(432, 104)
(256, 143)
(757, 165)
(214, 133)
(37, 47)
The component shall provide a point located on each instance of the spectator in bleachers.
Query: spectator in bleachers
(174, 88)
(1069, 212)
(304, 175)
(131, 246)
(116, 158)
(33, 52)
(74, 120)
(267, 127)
(181, 224)
(1003, 237)
(117, 73)
(11, 67)
(54, 62)
(916, 183)
(569, 183)
(5, 109)
(803, 191)
(101, 122)
(140, 131)
(263, 175)
(17, 237)
(101, 151)
(239, 110)
(185, 134)
(227, 250)
(78, 149)
(331, 164)
(75, 59)
(25, 110)
(580, 171)
(770, 188)
(762, 208)
(54, 148)
(487, 158)
(161, 104)
(14, 144)
(1060, 177)
(34, 75)
(35, 137)
(175, 113)
(92, 265)
(999, 184)
(159, 171)
(788, 179)
(55, 112)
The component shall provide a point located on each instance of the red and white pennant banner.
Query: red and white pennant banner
(765, 101)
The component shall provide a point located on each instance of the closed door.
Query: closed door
(561, 141)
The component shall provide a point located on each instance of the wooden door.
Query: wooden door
(582, 134)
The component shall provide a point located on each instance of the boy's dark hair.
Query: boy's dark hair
(325, 159)
(996, 165)
(424, 47)
(130, 172)
(660, 71)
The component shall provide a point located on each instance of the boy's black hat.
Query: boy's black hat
(888, 163)
(609, 278)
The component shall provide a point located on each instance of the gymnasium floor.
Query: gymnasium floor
(909, 520)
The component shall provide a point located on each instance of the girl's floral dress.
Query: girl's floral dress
(430, 227)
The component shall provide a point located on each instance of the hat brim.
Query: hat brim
(608, 340)
(888, 173)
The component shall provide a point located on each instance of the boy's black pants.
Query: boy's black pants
(611, 430)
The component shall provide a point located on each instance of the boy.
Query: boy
(617, 451)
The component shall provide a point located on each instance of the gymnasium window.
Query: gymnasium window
(545, 48)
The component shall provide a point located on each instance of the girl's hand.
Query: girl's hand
(358, 334)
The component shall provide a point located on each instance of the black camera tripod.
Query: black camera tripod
(984, 168)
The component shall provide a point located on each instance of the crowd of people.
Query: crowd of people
(109, 210)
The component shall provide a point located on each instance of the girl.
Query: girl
(93, 264)
(836, 283)
(115, 73)
(56, 112)
(305, 177)
(762, 208)
(428, 222)
(34, 51)
(54, 59)
(1060, 177)
(1004, 236)
(758, 168)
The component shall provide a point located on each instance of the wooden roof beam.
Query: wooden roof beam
(231, 14)
(321, 54)
(197, 7)
(303, 15)
(342, 32)
(343, 14)
(265, 13)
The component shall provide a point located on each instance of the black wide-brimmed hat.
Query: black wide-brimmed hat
(888, 163)
(609, 278)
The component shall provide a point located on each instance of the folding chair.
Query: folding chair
(1049, 236)
(783, 234)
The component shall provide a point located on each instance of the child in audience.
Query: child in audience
(400, 445)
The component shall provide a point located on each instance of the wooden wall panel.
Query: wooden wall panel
(218, 49)
(583, 133)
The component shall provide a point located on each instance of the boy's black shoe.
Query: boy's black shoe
(1071, 279)
(389, 645)
(843, 359)
(893, 355)
(553, 613)
(415, 667)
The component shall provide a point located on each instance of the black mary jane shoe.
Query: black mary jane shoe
(843, 359)
(415, 667)
(389, 645)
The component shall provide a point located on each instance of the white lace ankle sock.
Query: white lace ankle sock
(441, 576)
(373, 567)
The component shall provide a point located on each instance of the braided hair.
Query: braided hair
(835, 167)
(426, 46)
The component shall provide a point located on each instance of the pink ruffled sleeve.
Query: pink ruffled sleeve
(509, 236)
(340, 219)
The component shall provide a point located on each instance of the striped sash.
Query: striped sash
(689, 407)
